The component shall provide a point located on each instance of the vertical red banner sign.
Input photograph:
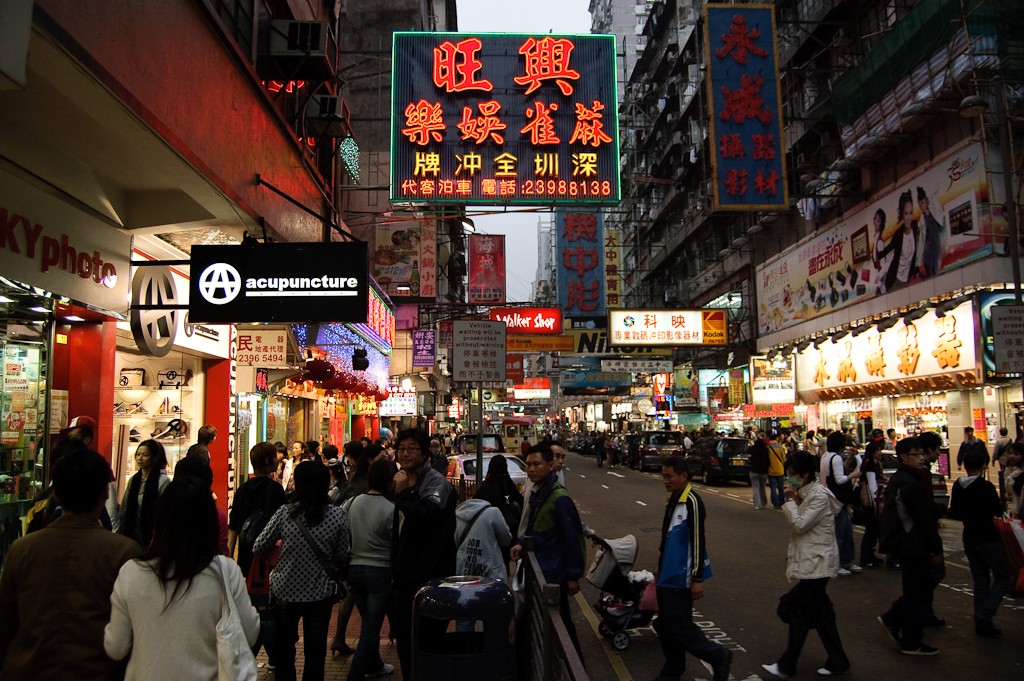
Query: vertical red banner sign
(486, 269)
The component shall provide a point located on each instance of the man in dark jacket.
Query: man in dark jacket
(758, 461)
(910, 530)
(553, 531)
(423, 546)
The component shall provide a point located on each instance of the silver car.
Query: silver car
(463, 467)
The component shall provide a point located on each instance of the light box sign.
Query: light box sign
(772, 380)
(279, 283)
(424, 348)
(405, 260)
(529, 320)
(594, 382)
(497, 118)
(747, 154)
(399, 403)
(667, 327)
(379, 328)
(486, 269)
(953, 222)
(580, 263)
(930, 354)
(532, 389)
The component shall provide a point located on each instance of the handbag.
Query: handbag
(332, 570)
(235, 661)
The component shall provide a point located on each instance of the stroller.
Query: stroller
(628, 600)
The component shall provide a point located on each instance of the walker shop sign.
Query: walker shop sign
(667, 327)
(279, 283)
(529, 320)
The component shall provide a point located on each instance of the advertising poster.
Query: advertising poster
(944, 216)
(687, 386)
(500, 118)
(580, 263)
(595, 382)
(486, 269)
(772, 381)
(405, 260)
(424, 349)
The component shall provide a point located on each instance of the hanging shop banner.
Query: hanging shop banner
(667, 327)
(532, 389)
(486, 269)
(613, 281)
(744, 90)
(943, 215)
(286, 282)
(580, 263)
(499, 118)
(637, 366)
(987, 303)
(929, 354)
(594, 383)
(687, 386)
(514, 368)
(46, 243)
(772, 381)
(479, 351)
(399, 403)
(405, 260)
(529, 320)
(259, 348)
(424, 349)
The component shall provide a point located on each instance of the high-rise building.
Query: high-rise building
(625, 20)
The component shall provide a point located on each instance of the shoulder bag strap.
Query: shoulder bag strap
(472, 522)
(325, 563)
(224, 587)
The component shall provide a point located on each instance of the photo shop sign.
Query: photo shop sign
(280, 283)
(945, 217)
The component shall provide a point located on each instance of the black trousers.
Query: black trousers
(812, 609)
(679, 635)
(908, 611)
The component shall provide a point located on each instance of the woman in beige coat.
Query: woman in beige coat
(813, 558)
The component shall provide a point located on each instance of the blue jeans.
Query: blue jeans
(757, 489)
(844, 537)
(775, 484)
(371, 587)
(316, 617)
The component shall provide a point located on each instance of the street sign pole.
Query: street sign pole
(480, 434)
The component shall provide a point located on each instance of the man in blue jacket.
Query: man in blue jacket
(553, 531)
(682, 569)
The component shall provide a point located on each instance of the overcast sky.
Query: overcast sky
(520, 16)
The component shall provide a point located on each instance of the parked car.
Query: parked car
(466, 444)
(462, 472)
(657, 445)
(716, 460)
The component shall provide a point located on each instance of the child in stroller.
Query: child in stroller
(628, 599)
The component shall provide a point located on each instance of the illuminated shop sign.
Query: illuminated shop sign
(745, 95)
(497, 118)
(380, 323)
(529, 320)
(667, 327)
(930, 353)
(288, 282)
(580, 263)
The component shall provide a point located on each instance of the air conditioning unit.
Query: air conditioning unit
(328, 116)
(295, 50)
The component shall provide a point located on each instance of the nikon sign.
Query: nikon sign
(279, 283)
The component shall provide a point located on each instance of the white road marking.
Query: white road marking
(606, 486)
(617, 475)
(583, 476)
(641, 503)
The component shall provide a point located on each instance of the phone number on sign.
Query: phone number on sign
(258, 358)
(566, 188)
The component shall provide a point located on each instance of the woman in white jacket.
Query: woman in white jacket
(166, 604)
(812, 558)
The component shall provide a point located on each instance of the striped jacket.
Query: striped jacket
(682, 538)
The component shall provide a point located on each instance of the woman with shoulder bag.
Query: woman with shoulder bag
(167, 604)
(305, 583)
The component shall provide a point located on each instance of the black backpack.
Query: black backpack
(257, 521)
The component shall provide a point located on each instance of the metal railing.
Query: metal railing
(550, 654)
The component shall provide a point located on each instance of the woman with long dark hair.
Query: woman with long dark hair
(138, 506)
(498, 489)
(300, 585)
(166, 604)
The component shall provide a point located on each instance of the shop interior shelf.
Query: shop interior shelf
(150, 417)
(153, 388)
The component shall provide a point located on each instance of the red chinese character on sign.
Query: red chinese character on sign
(423, 121)
(746, 102)
(580, 260)
(736, 182)
(244, 343)
(484, 126)
(410, 187)
(547, 59)
(456, 65)
(580, 226)
(765, 184)
(731, 146)
(764, 146)
(740, 40)
(542, 127)
(589, 127)
(582, 296)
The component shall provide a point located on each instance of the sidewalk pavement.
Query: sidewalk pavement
(337, 665)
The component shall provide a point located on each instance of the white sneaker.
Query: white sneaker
(852, 567)
(386, 670)
(843, 572)
(774, 670)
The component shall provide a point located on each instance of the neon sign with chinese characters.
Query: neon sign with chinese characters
(744, 91)
(501, 118)
(380, 323)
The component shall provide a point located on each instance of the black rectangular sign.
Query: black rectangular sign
(279, 283)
